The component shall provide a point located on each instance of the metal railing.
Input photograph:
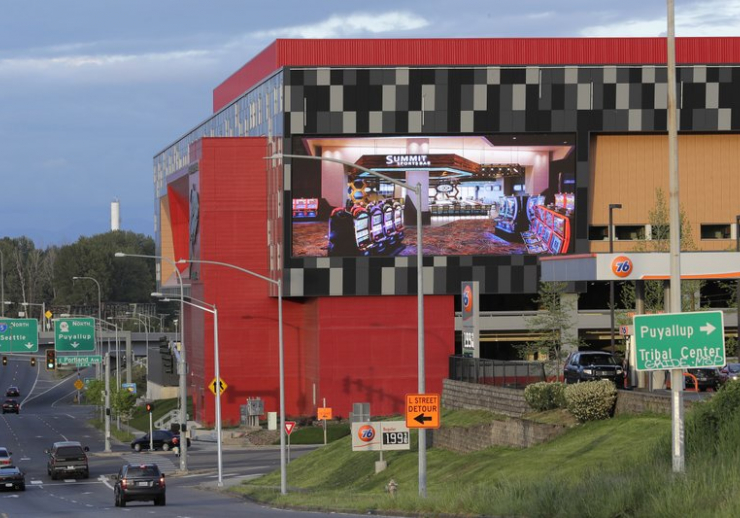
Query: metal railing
(510, 374)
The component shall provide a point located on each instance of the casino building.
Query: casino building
(521, 145)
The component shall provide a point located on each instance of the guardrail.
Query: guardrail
(501, 373)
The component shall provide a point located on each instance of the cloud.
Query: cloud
(350, 25)
(708, 18)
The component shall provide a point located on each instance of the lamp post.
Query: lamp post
(2, 283)
(419, 288)
(612, 206)
(211, 308)
(183, 364)
(100, 345)
(737, 286)
(278, 283)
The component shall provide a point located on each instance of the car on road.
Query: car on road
(709, 378)
(162, 440)
(731, 371)
(592, 366)
(12, 391)
(11, 477)
(139, 482)
(67, 458)
(6, 458)
(11, 406)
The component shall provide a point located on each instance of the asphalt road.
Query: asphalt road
(49, 414)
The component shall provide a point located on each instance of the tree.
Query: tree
(553, 324)
(659, 241)
(124, 281)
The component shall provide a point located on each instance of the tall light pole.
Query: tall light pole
(100, 318)
(211, 308)
(419, 288)
(183, 364)
(2, 283)
(281, 362)
(737, 286)
(612, 206)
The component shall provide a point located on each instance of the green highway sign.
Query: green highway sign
(19, 335)
(679, 340)
(80, 361)
(74, 334)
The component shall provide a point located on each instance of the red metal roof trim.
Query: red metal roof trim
(472, 52)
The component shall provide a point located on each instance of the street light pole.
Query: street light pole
(612, 206)
(183, 364)
(211, 308)
(737, 286)
(281, 360)
(100, 345)
(2, 283)
(419, 288)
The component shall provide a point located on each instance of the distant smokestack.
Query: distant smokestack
(115, 215)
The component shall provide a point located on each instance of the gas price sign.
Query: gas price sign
(395, 436)
(380, 436)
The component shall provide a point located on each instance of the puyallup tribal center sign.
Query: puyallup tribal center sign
(679, 340)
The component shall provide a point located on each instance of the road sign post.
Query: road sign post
(679, 340)
(74, 334)
(422, 411)
(19, 335)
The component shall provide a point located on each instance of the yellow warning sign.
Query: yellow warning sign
(422, 410)
(221, 384)
(79, 384)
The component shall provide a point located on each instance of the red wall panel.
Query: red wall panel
(369, 350)
(482, 51)
(344, 349)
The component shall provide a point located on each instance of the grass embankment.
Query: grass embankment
(618, 467)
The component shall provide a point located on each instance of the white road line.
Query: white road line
(31, 398)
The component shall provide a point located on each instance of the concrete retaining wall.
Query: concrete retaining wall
(514, 433)
(472, 396)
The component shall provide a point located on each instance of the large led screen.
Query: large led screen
(482, 195)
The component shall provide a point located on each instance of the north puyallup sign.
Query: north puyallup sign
(679, 340)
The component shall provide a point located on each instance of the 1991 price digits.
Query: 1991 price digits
(395, 437)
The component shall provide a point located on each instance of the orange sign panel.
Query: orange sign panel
(324, 414)
(422, 410)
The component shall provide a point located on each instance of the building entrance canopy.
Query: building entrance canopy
(638, 266)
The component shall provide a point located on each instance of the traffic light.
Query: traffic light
(5, 360)
(51, 360)
(168, 362)
(33, 361)
(149, 408)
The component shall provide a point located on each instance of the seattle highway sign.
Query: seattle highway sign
(19, 335)
(679, 340)
(74, 334)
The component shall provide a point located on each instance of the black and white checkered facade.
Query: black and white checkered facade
(582, 101)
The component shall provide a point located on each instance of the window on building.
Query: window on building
(715, 231)
(629, 232)
(598, 233)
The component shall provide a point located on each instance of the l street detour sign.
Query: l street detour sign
(679, 340)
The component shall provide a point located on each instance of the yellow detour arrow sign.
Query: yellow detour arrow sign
(221, 386)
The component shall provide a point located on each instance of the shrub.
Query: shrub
(545, 396)
(591, 401)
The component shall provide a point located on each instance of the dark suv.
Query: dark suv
(139, 482)
(162, 440)
(591, 366)
(709, 378)
(67, 458)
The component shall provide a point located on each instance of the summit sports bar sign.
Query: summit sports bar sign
(407, 161)
(679, 340)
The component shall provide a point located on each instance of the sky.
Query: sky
(91, 90)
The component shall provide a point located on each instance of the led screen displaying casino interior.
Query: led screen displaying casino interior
(483, 195)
